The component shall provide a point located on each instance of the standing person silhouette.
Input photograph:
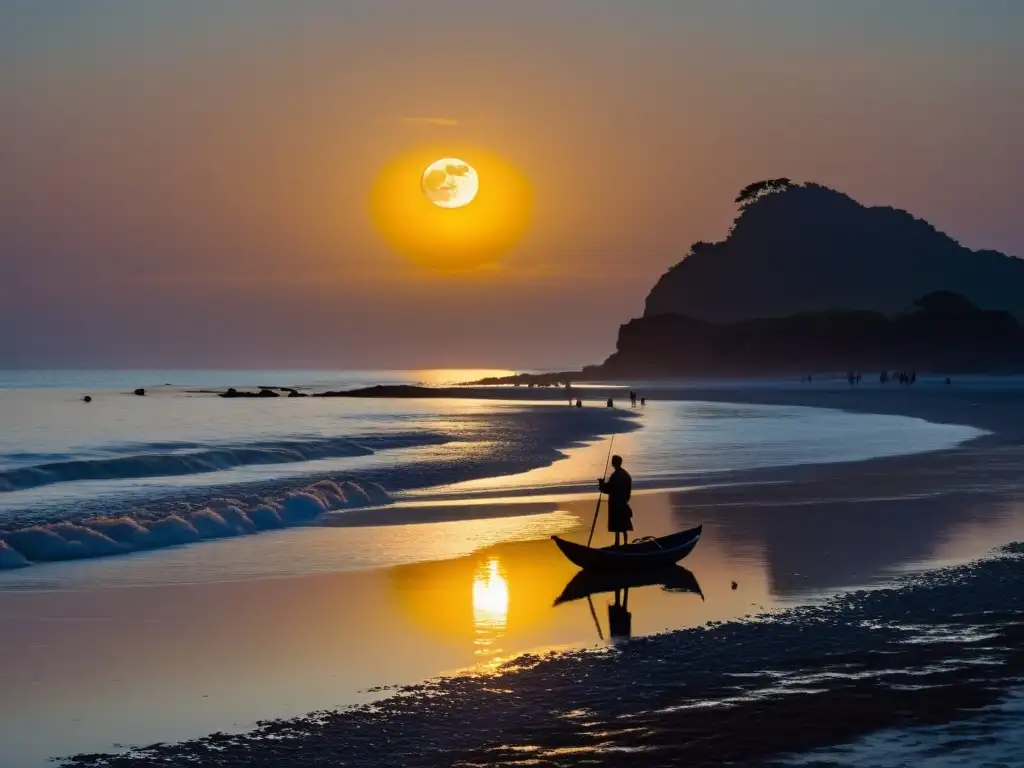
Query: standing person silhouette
(619, 487)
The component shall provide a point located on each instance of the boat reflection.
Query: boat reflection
(586, 584)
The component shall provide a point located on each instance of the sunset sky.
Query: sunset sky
(188, 183)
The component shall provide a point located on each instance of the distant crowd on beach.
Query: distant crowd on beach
(634, 399)
(853, 378)
(901, 376)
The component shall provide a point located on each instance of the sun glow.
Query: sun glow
(451, 222)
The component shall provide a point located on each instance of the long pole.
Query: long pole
(593, 525)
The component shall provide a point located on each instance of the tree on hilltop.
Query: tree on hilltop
(759, 189)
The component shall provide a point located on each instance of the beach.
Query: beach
(838, 566)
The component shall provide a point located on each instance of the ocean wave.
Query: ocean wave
(219, 518)
(196, 459)
(505, 441)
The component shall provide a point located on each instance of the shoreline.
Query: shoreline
(527, 439)
(811, 677)
(974, 403)
(902, 491)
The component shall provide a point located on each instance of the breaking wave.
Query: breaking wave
(139, 517)
(219, 518)
(192, 459)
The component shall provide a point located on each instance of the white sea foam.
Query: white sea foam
(176, 459)
(198, 469)
(116, 504)
(102, 536)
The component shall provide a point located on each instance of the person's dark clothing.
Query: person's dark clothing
(619, 487)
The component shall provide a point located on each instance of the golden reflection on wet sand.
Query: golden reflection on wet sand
(171, 661)
(490, 607)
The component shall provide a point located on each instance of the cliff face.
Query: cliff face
(808, 248)
(944, 332)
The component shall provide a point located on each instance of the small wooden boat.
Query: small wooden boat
(643, 554)
(674, 578)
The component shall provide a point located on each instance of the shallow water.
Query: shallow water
(284, 631)
(177, 467)
(737, 693)
(455, 571)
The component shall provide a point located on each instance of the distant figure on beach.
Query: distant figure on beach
(643, 402)
(579, 403)
(619, 487)
(610, 403)
(632, 398)
(883, 377)
(949, 380)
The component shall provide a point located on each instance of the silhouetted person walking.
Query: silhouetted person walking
(619, 487)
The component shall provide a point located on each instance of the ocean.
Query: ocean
(178, 563)
(126, 474)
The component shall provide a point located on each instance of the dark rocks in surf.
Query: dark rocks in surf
(382, 390)
(233, 393)
(140, 392)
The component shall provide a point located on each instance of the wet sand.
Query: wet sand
(737, 693)
(179, 661)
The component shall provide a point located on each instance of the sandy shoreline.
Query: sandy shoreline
(806, 678)
(857, 504)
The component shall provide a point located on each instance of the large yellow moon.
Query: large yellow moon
(440, 230)
(450, 182)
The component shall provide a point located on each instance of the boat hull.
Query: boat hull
(647, 555)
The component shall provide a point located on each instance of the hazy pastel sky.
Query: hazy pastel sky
(186, 183)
